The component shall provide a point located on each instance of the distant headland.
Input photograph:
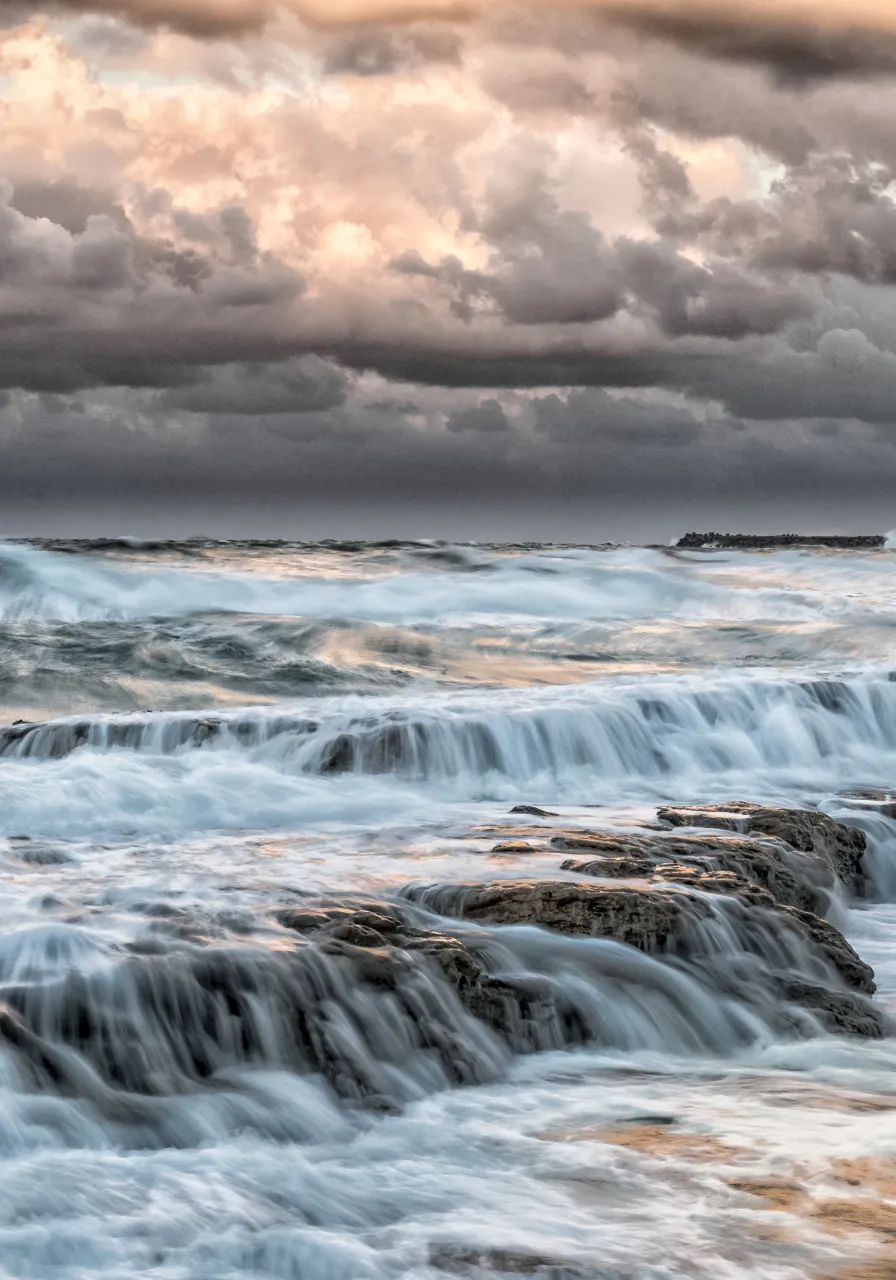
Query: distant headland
(760, 541)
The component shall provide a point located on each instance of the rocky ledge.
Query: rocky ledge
(799, 856)
(767, 541)
(830, 849)
(712, 919)
(678, 919)
(741, 900)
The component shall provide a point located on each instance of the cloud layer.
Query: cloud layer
(628, 248)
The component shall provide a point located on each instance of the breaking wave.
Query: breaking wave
(632, 740)
(561, 585)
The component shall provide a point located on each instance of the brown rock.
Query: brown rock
(662, 919)
(792, 879)
(649, 920)
(839, 847)
(622, 868)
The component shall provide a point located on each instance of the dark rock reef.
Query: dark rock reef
(767, 541)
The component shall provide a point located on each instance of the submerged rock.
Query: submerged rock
(462, 1260)
(386, 1002)
(873, 800)
(380, 1024)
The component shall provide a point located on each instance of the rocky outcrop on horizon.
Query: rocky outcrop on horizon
(767, 541)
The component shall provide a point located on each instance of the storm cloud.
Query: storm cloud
(824, 38)
(619, 248)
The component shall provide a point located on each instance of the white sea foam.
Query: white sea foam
(366, 760)
(629, 583)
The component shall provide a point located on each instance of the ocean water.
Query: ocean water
(196, 738)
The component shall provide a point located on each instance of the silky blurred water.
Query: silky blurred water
(211, 730)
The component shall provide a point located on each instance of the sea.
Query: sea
(198, 738)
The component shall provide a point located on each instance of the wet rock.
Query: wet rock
(358, 935)
(621, 868)
(513, 846)
(371, 747)
(647, 920)
(790, 877)
(728, 883)
(838, 1010)
(754, 942)
(526, 1011)
(873, 800)
(855, 972)
(836, 846)
(377, 1023)
(461, 1260)
(813, 928)
(329, 916)
(533, 811)
(338, 756)
(55, 739)
(37, 855)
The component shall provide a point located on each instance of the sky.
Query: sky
(574, 269)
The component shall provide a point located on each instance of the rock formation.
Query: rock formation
(765, 541)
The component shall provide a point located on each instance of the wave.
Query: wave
(664, 727)
(190, 661)
(362, 759)
(560, 585)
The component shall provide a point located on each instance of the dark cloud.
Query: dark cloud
(552, 267)
(382, 51)
(85, 300)
(106, 37)
(130, 309)
(832, 39)
(201, 18)
(595, 417)
(795, 46)
(719, 301)
(433, 278)
(67, 203)
(306, 385)
(488, 417)
(585, 447)
(842, 376)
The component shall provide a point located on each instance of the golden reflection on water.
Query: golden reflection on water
(837, 1207)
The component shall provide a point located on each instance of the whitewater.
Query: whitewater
(265, 1011)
